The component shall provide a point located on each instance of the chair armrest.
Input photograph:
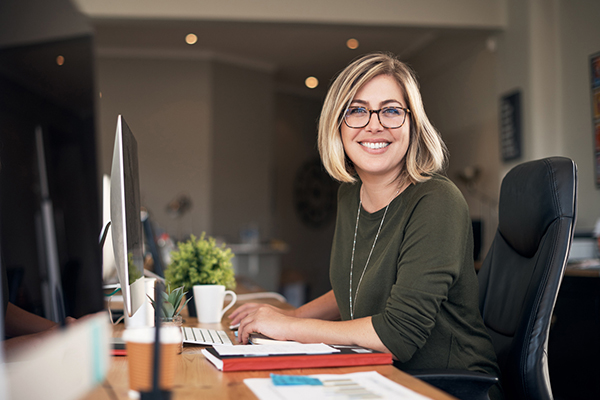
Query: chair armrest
(465, 385)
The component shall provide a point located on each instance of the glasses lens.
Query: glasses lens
(392, 117)
(357, 117)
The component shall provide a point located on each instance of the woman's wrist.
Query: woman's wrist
(291, 312)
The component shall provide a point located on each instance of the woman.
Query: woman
(402, 257)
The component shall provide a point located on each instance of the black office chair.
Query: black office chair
(520, 278)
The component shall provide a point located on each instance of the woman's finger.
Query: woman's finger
(241, 312)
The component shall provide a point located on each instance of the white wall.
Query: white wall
(242, 151)
(513, 69)
(579, 38)
(204, 130)
(545, 52)
(167, 105)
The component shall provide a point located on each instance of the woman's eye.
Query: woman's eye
(391, 112)
(357, 111)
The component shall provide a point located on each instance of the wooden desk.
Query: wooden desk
(197, 378)
(570, 270)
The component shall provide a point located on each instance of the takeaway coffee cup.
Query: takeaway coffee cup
(140, 355)
(209, 300)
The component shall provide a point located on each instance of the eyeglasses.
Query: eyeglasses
(389, 117)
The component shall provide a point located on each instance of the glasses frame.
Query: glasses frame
(371, 112)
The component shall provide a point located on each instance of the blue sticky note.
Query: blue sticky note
(290, 380)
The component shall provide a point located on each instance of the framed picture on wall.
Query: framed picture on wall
(510, 126)
(595, 91)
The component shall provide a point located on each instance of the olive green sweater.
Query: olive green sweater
(420, 285)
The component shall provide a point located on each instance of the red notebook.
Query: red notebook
(118, 347)
(348, 356)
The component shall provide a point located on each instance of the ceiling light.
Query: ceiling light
(191, 38)
(311, 82)
(352, 43)
(60, 60)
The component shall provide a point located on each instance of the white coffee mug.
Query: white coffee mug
(209, 300)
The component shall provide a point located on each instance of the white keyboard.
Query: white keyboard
(205, 337)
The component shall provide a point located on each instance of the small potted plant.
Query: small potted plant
(201, 262)
(169, 305)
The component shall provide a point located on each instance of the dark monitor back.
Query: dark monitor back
(45, 95)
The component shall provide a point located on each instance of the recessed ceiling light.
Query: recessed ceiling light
(191, 38)
(352, 43)
(311, 82)
(60, 60)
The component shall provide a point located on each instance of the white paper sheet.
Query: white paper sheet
(273, 349)
(359, 385)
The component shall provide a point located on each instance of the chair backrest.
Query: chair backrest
(521, 275)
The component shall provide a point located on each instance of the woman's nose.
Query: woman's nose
(374, 123)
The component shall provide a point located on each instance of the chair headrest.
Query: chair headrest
(534, 194)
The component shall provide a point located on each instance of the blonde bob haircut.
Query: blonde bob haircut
(426, 154)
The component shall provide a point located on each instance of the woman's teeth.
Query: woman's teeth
(377, 145)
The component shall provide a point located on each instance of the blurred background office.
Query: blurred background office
(219, 97)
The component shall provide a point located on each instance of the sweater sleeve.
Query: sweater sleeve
(433, 249)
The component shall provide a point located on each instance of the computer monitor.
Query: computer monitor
(126, 225)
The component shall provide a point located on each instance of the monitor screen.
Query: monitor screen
(126, 225)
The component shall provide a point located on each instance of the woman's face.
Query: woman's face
(377, 152)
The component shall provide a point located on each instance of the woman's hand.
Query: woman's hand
(262, 318)
(276, 322)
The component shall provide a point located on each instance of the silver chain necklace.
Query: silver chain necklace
(371, 252)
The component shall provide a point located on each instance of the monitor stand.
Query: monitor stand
(144, 316)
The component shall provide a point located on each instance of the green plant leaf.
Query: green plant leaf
(168, 309)
(184, 304)
(152, 301)
(170, 302)
(164, 296)
(178, 297)
(200, 262)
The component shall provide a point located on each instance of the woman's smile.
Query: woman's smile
(375, 145)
